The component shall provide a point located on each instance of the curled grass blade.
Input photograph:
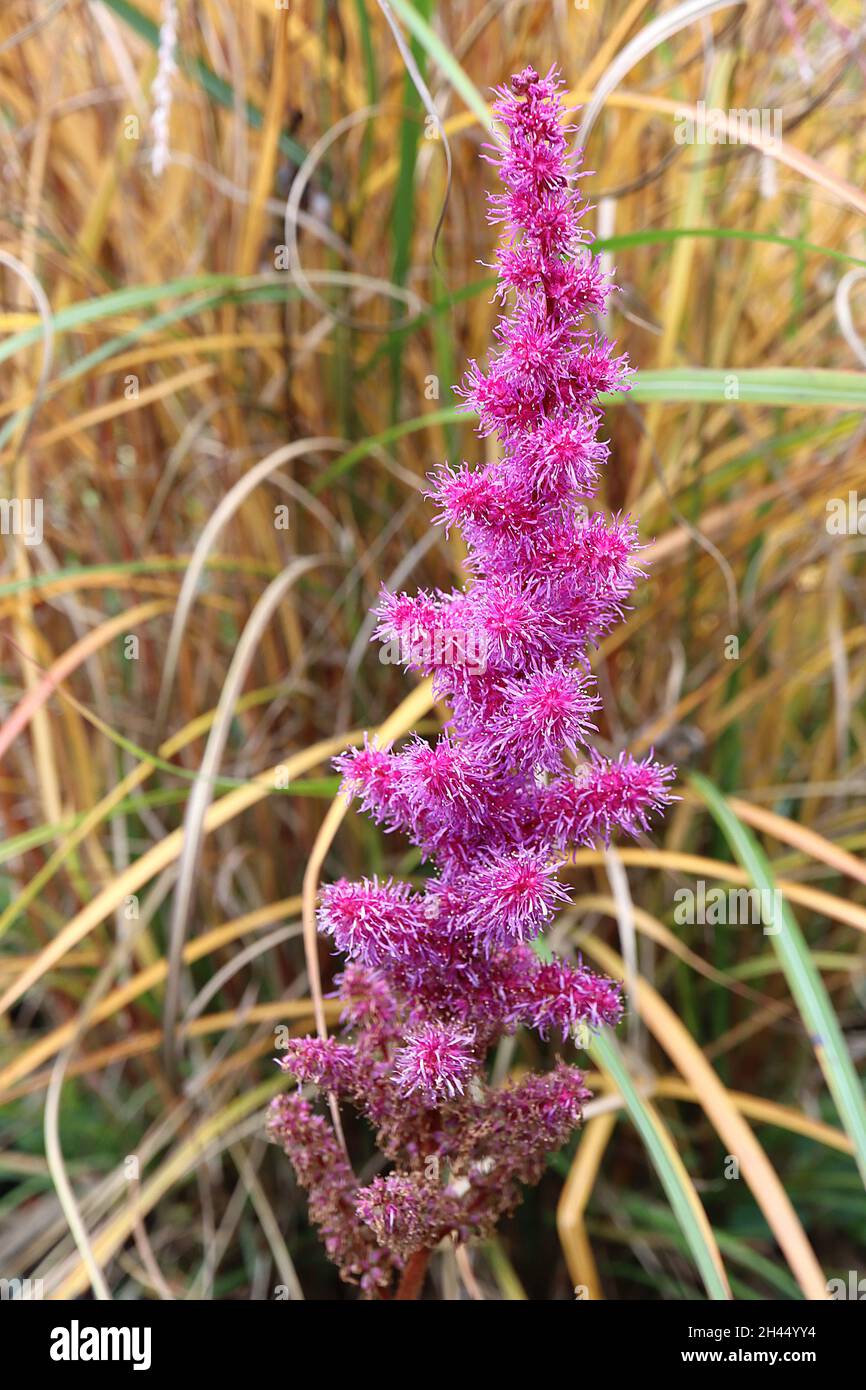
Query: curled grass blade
(444, 59)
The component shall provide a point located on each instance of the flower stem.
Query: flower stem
(412, 1280)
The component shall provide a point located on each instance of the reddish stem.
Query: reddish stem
(412, 1280)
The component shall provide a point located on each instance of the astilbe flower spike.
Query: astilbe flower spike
(435, 977)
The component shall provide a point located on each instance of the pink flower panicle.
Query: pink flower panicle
(436, 977)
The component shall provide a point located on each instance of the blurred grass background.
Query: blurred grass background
(188, 643)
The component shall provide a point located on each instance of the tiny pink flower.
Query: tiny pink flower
(370, 921)
(511, 897)
(544, 712)
(436, 1061)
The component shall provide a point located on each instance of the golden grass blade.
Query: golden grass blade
(573, 1202)
(733, 1130)
(656, 931)
(158, 858)
(780, 150)
(69, 662)
(146, 980)
(112, 799)
(675, 1178)
(698, 866)
(209, 1131)
(403, 719)
(809, 842)
(767, 1112)
(268, 148)
(223, 513)
(202, 792)
(79, 424)
(814, 1005)
(658, 31)
(51, 1114)
(25, 631)
(407, 714)
(298, 1013)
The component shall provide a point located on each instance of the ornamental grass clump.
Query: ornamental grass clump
(437, 975)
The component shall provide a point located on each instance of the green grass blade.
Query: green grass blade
(659, 235)
(605, 1051)
(752, 386)
(804, 981)
(134, 297)
(403, 206)
(755, 386)
(737, 1250)
(445, 60)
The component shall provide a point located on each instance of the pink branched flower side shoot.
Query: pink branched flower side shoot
(438, 974)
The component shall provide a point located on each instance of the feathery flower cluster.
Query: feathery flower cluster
(436, 976)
